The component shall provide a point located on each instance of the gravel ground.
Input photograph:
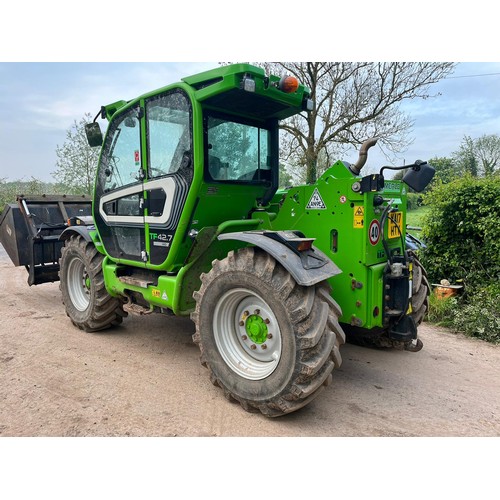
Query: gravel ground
(144, 379)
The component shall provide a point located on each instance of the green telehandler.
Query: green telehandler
(187, 219)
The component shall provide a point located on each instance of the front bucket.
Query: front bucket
(30, 229)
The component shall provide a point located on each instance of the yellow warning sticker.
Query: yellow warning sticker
(155, 293)
(359, 216)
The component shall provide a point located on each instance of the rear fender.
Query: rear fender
(307, 268)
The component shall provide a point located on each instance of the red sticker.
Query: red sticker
(374, 232)
(137, 157)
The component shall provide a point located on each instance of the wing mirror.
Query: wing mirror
(419, 175)
(94, 134)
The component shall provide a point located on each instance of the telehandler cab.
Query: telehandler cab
(187, 219)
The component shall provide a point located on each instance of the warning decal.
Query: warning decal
(359, 215)
(316, 202)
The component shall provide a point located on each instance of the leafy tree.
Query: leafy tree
(353, 101)
(480, 156)
(466, 158)
(285, 179)
(10, 189)
(446, 170)
(462, 231)
(77, 161)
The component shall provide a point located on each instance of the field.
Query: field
(415, 217)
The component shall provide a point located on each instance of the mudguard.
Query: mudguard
(307, 267)
(83, 231)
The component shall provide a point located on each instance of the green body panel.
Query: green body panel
(174, 291)
(94, 235)
(340, 221)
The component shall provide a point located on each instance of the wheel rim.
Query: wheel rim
(78, 282)
(247, 334)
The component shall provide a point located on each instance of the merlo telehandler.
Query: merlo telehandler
(187, 219)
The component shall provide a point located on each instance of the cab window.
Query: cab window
(169, 133)
(236, 151)
(121, 159)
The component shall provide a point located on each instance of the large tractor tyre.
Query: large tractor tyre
(420, 291)
(269, 343)
(87, 302)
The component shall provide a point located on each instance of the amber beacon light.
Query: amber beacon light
(288, 84)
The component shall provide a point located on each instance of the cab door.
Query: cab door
(168, 120)
(119, 193)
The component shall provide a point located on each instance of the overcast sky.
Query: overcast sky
(40, 101)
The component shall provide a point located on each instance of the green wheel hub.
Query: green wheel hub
(256, 328)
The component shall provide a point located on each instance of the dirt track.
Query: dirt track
(144, 379)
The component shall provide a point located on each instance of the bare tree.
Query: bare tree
(353, 101)
(76, 160)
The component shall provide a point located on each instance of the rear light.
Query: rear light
(305, 245)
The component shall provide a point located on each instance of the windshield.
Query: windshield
(237, 151)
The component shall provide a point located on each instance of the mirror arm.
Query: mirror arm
(415, 166)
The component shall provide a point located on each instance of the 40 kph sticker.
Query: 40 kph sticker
(374, 231)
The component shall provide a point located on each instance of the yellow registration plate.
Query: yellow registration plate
(395, 224)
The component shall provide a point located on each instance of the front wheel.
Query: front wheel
(269, 343)
(87, 302)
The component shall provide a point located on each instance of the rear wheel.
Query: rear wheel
(420, 291)
(87, 302)
(269, 343)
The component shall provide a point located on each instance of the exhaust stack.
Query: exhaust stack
(363, 155)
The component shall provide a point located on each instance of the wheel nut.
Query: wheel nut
(244, 337)
(269, 335)
(242, 323)
(266, 321)
(257, 311)
(263, 346)
(253, 347)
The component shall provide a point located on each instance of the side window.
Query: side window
(121, 161)
(169, 133)
(236, 151)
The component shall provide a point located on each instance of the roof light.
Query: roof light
(248, 84)
(288, 84)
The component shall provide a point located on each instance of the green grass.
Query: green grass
(415, 217)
